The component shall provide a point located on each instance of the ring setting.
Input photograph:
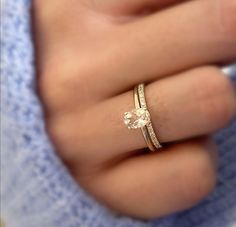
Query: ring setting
(140, 118)
(137, 118)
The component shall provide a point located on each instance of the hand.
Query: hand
(90, 55)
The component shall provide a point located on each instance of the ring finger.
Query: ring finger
(205, 103)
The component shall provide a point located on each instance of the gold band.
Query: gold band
(140, 118)
(143, 129)
(148, 130)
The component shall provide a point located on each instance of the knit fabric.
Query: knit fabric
(36, 189)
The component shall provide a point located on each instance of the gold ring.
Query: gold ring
(140, 118)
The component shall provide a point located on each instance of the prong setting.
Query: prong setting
(137, 118)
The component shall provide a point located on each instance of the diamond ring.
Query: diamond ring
(140, 118)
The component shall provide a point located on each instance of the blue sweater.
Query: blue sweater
(36, 189)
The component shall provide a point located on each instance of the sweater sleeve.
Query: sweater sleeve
(36, 188)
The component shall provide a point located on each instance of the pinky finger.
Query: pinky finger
(157, 184)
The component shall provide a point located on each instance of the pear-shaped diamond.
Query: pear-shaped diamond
(137, 118)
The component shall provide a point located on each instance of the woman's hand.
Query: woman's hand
(90, 55)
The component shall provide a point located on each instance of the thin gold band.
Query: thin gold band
(143, 129)
(148, 131)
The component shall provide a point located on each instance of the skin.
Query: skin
(90, 55)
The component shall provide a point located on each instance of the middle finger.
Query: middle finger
(164, 43)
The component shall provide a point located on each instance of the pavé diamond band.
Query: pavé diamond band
(140, 118)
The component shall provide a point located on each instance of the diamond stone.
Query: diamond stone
(137, 118)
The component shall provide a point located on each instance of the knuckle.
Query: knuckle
(59, 132)
(52, 93)
(60, 86)
(71, 143)
(48, 16)
(215, 98)
(62, 131)
(65, 75)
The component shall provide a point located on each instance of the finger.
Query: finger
(190, 104)
(157, 184)
(178, 38)
(123, 7)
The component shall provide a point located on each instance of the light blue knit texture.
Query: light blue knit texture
(36, 189)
